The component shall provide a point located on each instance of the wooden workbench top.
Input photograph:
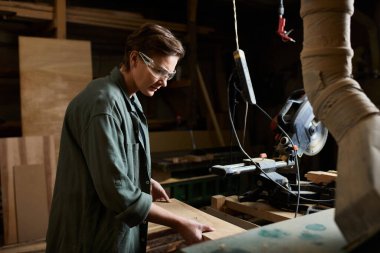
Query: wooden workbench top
(222, 228)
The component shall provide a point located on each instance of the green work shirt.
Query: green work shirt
(102, 188)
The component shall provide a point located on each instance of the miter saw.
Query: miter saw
(298, 132)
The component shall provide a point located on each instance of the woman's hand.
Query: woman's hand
(158, 192)
(192, 230)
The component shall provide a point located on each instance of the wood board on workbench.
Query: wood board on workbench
(52, 72)
(222, 228)
(32, 152)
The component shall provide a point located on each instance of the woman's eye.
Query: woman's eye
(160, 71)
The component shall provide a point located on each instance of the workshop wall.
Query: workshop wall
(274, 65)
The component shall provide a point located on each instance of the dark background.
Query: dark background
(274, 65)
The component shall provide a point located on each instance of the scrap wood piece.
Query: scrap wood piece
(218, 201)
(32, 247)
(321, 177)
(258, 209)
(31, 202)
(222, 228)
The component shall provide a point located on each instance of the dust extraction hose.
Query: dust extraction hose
(352, 119)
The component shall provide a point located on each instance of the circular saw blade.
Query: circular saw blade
(308, 133)
(318, 138)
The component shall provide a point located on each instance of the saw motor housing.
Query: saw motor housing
(305, 133)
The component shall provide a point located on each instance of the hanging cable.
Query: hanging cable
(235, 24)
(245, 122)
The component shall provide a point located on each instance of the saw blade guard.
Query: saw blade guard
(298, 120)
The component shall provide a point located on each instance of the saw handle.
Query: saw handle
(285, 116)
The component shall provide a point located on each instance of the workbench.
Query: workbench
(314, 233)
(165, 239)
(160, 238)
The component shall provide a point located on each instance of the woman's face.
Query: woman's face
(152, 72)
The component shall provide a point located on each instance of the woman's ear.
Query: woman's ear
(133, 58)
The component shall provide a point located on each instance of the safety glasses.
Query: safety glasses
(156, 70)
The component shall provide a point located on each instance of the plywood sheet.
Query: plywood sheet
(17, 152)
(52, 72)
(31, 202)
(222, 228)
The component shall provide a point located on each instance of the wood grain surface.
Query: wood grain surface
(222, 228)
(52, 72)
(31, 197)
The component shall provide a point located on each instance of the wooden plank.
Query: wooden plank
(321, 177)
(31, 202)
(222, 228)
(17, 152)
(28, 10)
(184, 180)
(91, 16)
(190, 158)
(258, 209)
(52, 72)
(230, 219)
(33, 246)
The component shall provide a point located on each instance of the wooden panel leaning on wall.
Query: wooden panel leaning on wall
(52, 72)
(34, 156)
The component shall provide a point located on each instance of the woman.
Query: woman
(103, 191)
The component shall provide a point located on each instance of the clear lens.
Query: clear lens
(156, 70)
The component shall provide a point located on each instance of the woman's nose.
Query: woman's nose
(163, 82)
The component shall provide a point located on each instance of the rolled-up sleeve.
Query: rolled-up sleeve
(104, 148)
